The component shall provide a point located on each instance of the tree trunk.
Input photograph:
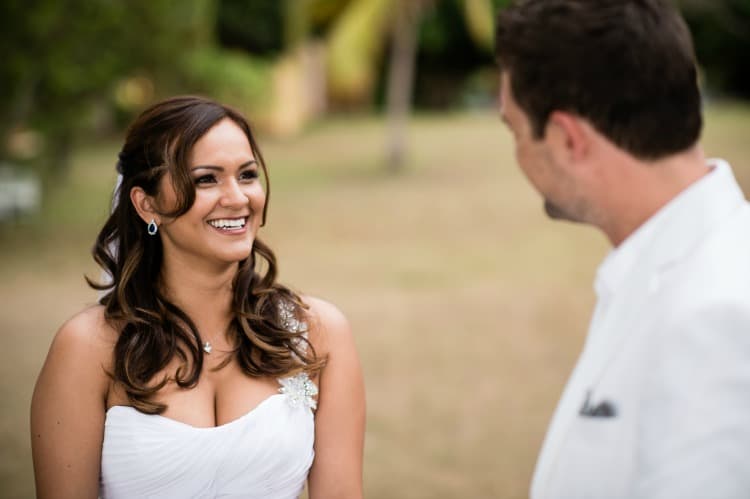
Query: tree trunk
(401, 78)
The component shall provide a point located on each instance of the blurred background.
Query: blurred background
(395, 196)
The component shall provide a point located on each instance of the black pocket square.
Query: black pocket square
(604, 409)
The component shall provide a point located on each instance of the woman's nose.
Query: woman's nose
(233, 195)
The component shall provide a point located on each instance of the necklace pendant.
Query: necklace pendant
(207, 346)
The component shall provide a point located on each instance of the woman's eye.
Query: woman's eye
(205, 179)
(249, 175)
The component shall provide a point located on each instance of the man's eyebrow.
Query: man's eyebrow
(221, 168)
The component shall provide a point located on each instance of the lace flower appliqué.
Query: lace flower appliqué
(299, 390)
(289, 321)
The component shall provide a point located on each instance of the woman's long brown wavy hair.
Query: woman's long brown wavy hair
(152, 330)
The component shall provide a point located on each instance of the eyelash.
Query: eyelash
(210, 178)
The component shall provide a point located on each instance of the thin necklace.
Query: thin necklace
(207, 346)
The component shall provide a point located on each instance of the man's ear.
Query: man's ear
(145, 205)
(568, 139)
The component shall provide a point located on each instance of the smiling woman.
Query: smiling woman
(195, 351)
(228, 201)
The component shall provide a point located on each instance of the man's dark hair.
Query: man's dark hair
(627, 66)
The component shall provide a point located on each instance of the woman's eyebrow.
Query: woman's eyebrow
(221, 168)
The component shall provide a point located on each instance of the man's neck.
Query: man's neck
(641, 188)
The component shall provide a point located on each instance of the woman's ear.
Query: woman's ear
(145, 205)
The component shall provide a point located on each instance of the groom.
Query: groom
(602, 99)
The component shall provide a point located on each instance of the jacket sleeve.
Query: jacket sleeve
(694, 423)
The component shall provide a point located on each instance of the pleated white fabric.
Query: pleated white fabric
(265, 454)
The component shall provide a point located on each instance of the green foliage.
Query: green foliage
(323, 13)
(256, 26)
(453, 33)
(65, 58)
(355, 44)
(230, 77)
(500, 4)
(721, 31)
(454, 57)
(268, 28)
(444, 38)
(479, 16)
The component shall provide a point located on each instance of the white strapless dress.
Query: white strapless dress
(266, 453)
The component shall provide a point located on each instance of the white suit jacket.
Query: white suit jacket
(658, 406)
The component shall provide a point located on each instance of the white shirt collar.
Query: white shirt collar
(670, 228)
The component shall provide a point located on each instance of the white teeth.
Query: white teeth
(228, 223)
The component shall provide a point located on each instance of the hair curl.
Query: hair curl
(153, 330)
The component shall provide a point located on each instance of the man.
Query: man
(602, 99)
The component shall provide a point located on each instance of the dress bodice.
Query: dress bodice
(265, 453)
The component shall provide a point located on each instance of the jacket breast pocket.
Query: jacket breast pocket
(595, 460)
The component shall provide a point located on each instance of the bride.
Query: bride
(197, 375)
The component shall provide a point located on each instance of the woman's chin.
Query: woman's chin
(234, 255)
(237, 257)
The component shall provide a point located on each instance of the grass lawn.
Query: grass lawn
(469, 307)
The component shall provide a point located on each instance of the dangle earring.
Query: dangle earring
(152, 228)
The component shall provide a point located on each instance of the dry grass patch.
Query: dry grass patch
(468, 305)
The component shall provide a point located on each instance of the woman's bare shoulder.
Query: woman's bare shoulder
(80, 356)
(328, 326)
(86, 336)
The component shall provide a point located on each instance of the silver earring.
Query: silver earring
(152, 228)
